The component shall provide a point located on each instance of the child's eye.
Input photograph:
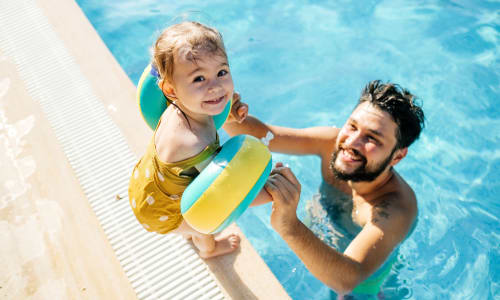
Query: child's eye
(222, 73)
(199, 79)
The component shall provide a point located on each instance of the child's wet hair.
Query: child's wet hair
(188, 40)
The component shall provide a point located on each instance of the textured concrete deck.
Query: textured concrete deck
(53, 246)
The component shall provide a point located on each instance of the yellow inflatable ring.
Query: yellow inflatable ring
(227, 186)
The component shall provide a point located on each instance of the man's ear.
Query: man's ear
(167, 88)
(398, 156)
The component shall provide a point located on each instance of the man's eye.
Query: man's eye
(199, 79)
(222, 73)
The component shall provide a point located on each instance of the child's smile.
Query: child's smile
(202, 85)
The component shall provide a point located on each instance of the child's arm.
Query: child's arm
(262, 198)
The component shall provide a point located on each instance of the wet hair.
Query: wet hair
(401, 105)
(188, 40)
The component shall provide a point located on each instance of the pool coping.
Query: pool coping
(242, 275)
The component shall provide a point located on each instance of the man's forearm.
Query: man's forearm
(333, 268)
(250, 125)
(283, 139)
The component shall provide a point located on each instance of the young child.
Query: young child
(194, 75)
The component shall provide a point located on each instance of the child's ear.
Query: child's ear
(167, 88)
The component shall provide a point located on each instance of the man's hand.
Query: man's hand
(239, 110)
(284, 187)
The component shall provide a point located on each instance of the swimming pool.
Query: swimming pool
(304, 63)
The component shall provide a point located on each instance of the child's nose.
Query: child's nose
(214, 87)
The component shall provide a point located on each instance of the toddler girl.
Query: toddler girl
(195, 78)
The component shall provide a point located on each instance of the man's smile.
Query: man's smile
(351, 155)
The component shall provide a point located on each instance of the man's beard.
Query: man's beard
(360, 173)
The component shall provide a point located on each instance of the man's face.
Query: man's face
(365, 145)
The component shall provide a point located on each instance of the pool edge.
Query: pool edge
(243, 275)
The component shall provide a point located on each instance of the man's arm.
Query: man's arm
(340, 271)
(313, 140)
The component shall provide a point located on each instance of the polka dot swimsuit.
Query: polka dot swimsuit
(156, 188)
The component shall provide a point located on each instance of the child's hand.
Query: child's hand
(239, 110)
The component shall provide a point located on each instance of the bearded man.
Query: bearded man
(361, 191)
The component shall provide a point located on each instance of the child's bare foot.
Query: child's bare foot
(223, 245)
(187, 236)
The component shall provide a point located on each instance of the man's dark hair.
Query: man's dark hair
(401, 105)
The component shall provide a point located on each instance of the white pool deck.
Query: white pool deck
(67, 111)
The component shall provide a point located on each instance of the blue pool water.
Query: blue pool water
(304, 63)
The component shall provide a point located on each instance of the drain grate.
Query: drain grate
(158, 267)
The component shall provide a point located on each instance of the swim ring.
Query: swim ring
(228, 185)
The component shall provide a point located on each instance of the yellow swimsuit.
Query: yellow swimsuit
(156, 187)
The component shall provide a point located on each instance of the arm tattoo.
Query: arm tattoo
(381, 210)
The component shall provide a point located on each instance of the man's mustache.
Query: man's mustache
(356, 152)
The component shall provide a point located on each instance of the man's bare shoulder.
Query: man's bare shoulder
(397, 209)
(328, 138)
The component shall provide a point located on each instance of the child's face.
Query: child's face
(202, 86)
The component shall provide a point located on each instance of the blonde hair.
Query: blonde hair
(188, 40)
